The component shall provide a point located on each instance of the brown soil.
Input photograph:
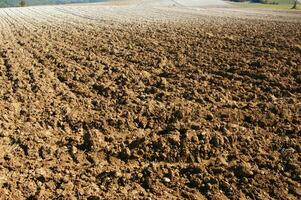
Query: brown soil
(149, 104)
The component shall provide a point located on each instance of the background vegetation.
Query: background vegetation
(270, 4)
(267, 1)
(11, 3)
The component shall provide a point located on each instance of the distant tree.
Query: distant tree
(22, 3)
(295, 4)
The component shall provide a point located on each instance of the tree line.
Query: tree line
(22, 3)
(293, 2)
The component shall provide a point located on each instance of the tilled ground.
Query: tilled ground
(107, 102)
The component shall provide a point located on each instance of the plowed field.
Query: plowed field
(145, 101)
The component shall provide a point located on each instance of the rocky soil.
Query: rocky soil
(141, 102)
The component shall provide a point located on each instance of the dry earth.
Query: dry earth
(149, 101)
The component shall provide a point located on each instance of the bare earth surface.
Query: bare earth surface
(144, 100)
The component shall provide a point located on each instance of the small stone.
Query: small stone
(118, 174)
(128, 152)
(139, 175)
(146, 74)
(195, 126)
(163, 82)
(209, 186)
(142, 97)
(166, 180)
(217, 141)
(206, 179)
(192, 136)
(203, 133)
(39, 183)
(243, 170)
(65, 179)
(73, 149)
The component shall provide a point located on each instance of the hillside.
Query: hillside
(282, 1)
(12, 3)
(267, 1)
